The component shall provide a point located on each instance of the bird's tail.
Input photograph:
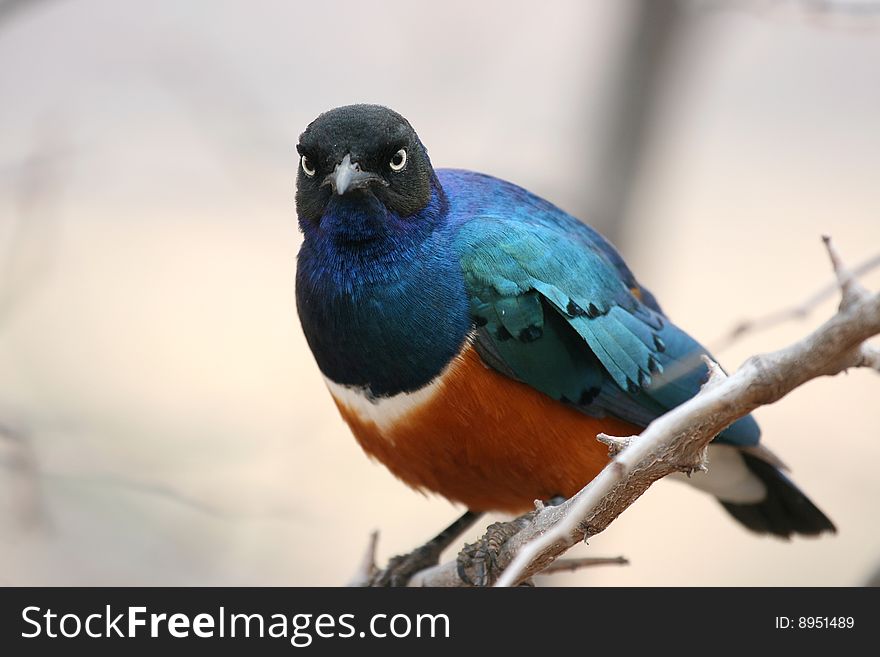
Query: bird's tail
(783, 511)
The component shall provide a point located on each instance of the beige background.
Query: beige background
(173, 425)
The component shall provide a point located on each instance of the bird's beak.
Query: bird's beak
(348, 175)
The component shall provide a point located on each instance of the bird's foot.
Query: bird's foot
(478, 562)
(400, 569)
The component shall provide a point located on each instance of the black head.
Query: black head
(358, 151)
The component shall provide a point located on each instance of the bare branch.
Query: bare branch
(676, 441)
(615, 444)
(870, 357)
(851, 291)
(797, 312)
(571, 565)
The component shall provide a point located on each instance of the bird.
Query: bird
(476, 338)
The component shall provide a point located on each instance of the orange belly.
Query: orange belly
(488, 442)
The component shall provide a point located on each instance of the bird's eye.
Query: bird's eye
(308, 169)
(398, 160)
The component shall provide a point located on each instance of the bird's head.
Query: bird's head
(361, 169)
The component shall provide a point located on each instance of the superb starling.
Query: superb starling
(476, 338)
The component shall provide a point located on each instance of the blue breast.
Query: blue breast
(381, 298)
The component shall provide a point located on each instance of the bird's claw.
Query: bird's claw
(477, 563)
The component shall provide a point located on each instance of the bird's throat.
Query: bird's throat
(385, 314)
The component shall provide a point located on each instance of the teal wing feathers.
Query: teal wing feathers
(555, 309)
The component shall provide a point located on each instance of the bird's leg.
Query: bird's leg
(401, 568)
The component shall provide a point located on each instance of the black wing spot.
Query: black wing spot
(631, 387)
(644, 379)
(653, 366)
(659, 344)
(503, 334)
(593, 311)
(480, 321)
(531, 333)
(574, 309)
(587, 396)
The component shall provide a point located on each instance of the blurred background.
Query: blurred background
(161, 418)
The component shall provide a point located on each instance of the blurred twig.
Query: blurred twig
(26, 495)
(646, 66)
(35, 185)
(825, 14)
(32, 232)
(799, 311)
(630, 111)
(367, 568)
(13, 9)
